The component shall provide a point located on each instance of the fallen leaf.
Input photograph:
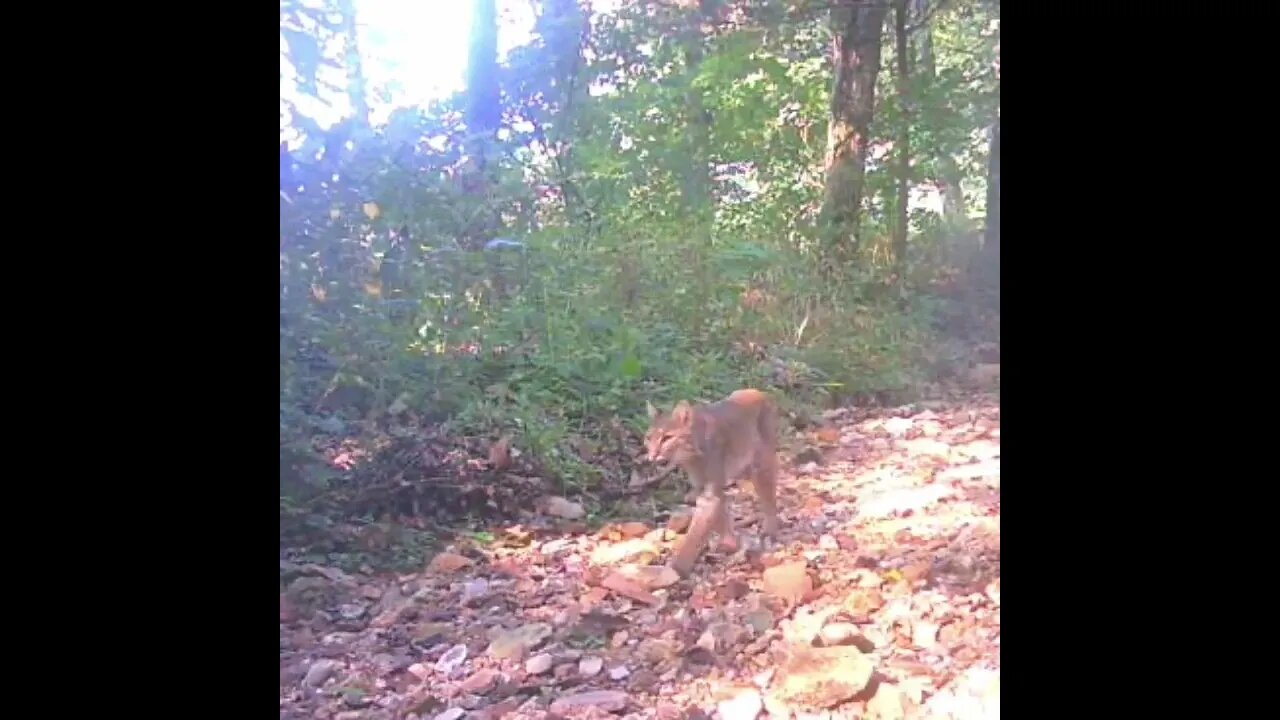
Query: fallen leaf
(822, 677)
(514, 643)
(629, 588)
(650, 577)
(608, 700)
(788, 581)
(562, 508)
(500, 454)
(447, 562)
(610, 553)
(745, 705)
(760, 620)
(452, 658)
(888, 703)
(679, 522)
(828, 435)
(319, 672)
(288, 613)
(633, 529)
(480, 682)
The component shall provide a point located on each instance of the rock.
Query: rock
(446, 562)
(319, 672)
(538, 664)
(451, 659)
(480, 682)
(474, 591)
(619, 639)
(608, 700)
(828, 542)
(822, 677)
(720, 636)
(351, 611)
(450, 714)
(590, 666)
(619, 673)
(562, 508)
(745, 705)
(788, 581)
(760, 620)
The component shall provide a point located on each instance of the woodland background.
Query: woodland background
(666, 201)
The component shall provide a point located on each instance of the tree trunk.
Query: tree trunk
(991, 239)
(903, 179)
(949, 173)
(484, 116)
(697, 175)
(484, 111)
(354, 64)
(857, 31)
(564, 26)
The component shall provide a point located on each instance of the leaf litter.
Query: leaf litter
(881, 599)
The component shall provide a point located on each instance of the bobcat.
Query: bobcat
(714, 442)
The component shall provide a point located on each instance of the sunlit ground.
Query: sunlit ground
(888, 571)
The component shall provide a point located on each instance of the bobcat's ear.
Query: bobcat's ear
(682, 414)
(653, 411)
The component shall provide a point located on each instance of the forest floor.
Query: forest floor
(881, 599)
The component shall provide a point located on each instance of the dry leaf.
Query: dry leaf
(500, 454)
(567, 509)
(447, 562)
(629, 588)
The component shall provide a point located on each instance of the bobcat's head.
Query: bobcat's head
(671, 435)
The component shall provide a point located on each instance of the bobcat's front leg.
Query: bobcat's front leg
(711, 514)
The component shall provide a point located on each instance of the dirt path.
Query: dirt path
(881, 600)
